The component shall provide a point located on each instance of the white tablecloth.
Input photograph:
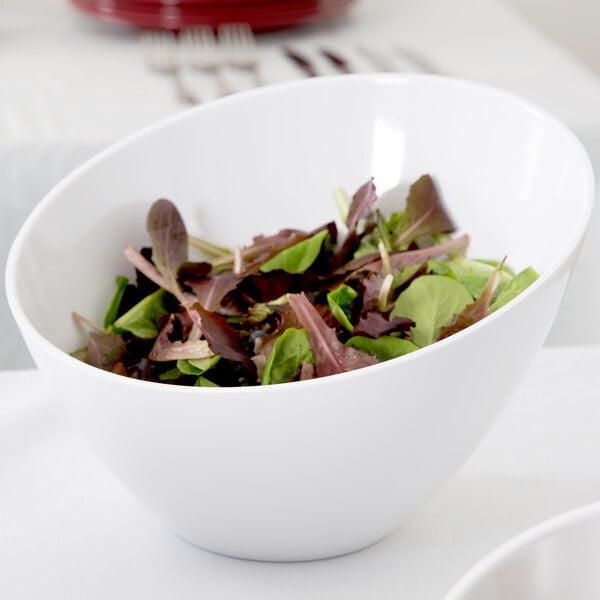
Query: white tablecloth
(68, 530)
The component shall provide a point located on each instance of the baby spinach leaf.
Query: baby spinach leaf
(340, 304)
(204, 382)
(291, 349)
(384, 347)
(431, 301)
(113, 310)
(331, 356)
(474, 274)
(297, 258)
(169, 375)
(141, 319)
(475, 311)
(197, 366)
(438, 267)
(520, 282)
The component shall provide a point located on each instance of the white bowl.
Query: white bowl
(323, 467)
(557, 560)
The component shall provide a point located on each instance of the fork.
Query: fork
(237, 48)
(199, 50)
(161, 53)
(361, 58)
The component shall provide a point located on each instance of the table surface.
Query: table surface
(69, 530)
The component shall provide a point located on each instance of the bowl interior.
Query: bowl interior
(512, 176)
(557, 560)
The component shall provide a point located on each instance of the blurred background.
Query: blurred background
(572, 23)
(78, 75)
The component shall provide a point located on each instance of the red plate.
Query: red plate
(261, 15)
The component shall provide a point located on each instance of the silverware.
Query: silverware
(199, 50)
(161, 52)
(237, 48)
(301, 61)
(356, 59)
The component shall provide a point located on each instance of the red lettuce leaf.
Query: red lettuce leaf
(375, 325)
(193, 271)
(425, 213)
(264, 248)
(331, 356)
(222, 338)
(210, 291)
(169, 240)
(166, 348)
(402, 260)
(104, 350)
(476, 310)
(362, 204)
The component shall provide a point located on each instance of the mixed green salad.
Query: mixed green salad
(296, 304)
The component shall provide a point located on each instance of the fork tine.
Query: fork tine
(237, 45)
(199, 47)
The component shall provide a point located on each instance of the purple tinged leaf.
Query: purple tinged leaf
(87, 322)
(264, 248)
(375, 325)
(362, 204)
(222, 338)
(165, 350)
(287, 320)
(331, 356)
(104, 350)
(307, 371)
(211, 290)
(169, 239)
(476, 310)
(144, 266)
(402, 260)
(193, 271)
(371, 286)
(425, 213)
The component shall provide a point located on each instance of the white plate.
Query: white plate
(557, 560)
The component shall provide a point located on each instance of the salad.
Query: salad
(296, 304)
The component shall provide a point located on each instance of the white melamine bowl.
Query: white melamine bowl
(322, 467)
(557, 560)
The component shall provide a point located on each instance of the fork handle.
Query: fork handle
(183, 92)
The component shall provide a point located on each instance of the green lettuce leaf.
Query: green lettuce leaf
(340, 304)
(291, 349)
(299, 257)
(197, 366)
(113, 310)
(384, 347)
(520, 282)
(431, 301)
(141, 319)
